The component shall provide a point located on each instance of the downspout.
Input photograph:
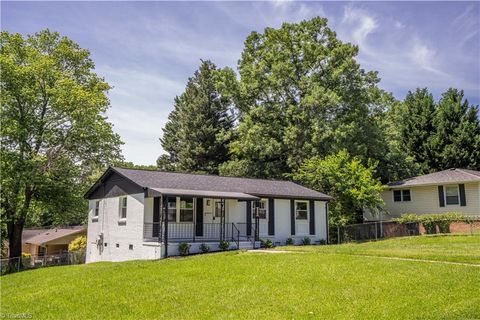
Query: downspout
(326, 221)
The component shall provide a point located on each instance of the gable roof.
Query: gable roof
(452, 175)
(198, 183)
(42, 236)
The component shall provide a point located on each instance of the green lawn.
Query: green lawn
(317, 282)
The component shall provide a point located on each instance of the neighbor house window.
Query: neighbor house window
(301, 210)
(402, 195)
(172, 209)
(96, 211)
(262, 208)
(451, 195)
(123, 208)
(186, 209)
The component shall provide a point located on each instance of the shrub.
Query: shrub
(224, 245)
(79, 243)
(26, 255)
(266, 243)
(183, 248)
(204, 248)
(289, 242)
(306, 241)
(322, 242)
(431, 221)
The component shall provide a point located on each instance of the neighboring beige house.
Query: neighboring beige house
(452, 190)
(40, 242)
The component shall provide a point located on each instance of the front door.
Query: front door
(261, 210)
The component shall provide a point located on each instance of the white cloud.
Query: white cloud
(360, 24)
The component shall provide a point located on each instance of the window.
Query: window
(397, 195)
(451, 195)
(301, 210)
(172, 209)
(186, 209)
(96, 211)
(118, 245)
(402, 195)
(42, 251)
(262, 209)
(130, 247)
(123, 208)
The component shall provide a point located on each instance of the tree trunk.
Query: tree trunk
(15, 230)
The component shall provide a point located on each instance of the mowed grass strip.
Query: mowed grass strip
(453, 248)
(242, 285)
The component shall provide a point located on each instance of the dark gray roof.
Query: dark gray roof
(187, 181)
(446, 176)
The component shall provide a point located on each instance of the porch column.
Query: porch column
(165, 217)
(249, 218)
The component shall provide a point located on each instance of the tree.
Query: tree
(416, 127)
(456, 142)
(439, 135)
(199, 128)
(351, 184)
(303, 94)
(54, 132)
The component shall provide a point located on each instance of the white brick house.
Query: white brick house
(141, 214)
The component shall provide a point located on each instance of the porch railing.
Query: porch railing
(191, 232)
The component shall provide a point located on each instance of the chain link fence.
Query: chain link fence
(11, 265)
(390, 229)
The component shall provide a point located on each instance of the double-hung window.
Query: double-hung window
(123, 208)
(186, 209)
(301, 210)
(402, 195)
(172, 209)
(261, 207)
(96, 210)
(452, 195)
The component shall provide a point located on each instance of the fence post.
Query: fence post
(18, 264)
(338, 234)
(376, 231)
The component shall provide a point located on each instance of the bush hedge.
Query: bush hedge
(431, 221)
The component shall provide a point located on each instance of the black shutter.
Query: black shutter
(441, 199)
(249, 218)
(156, 217)
(292, 217)
(271, 217)
(199, 218)
(312, 217)
(463, 199)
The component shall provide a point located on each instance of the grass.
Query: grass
(337, 282)
(453, 248)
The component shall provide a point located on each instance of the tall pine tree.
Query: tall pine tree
(198, 130)
(416, 127)
(440, 135)
(457, 133)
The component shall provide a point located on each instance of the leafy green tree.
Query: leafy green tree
(302, 94)
(352, 185)
(199, 128)
(54, 132)
(439, 135)
(456, 142)
(416, 127)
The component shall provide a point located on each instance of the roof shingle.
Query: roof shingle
(453, 175)
(189, 181)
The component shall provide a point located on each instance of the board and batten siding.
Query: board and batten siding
(424, 200)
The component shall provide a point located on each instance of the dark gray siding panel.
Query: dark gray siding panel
(271, 217)
(115, 185)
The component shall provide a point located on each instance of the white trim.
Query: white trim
(401, 195)
(121, 218)
(308, 210)
(445, 194)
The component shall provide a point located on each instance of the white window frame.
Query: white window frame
(179, 204)
(445, 194)
(401, 195)
(122, 206)
(265, 208)
(308, 210)
(96, 209)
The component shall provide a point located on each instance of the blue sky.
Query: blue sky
(147, 50)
